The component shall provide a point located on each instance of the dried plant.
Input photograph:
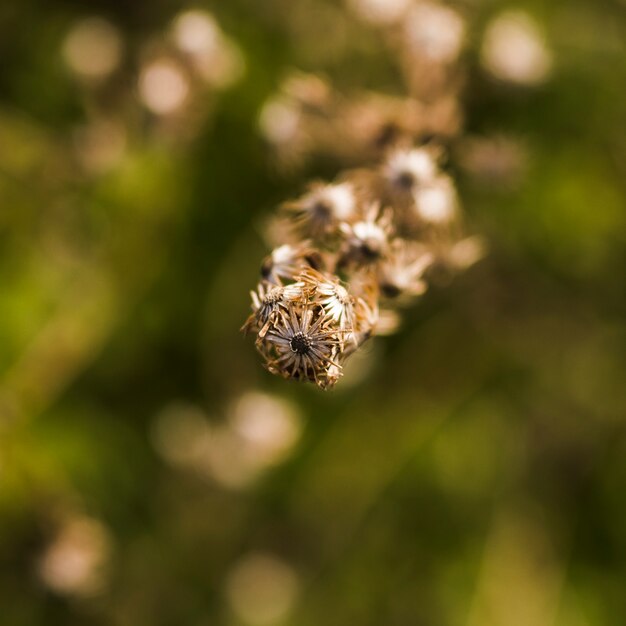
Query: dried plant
(352, 252)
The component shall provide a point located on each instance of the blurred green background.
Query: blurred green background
(470, 470)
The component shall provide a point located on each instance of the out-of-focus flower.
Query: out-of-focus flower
(75, 562)
(228, 461)
(196, 32)
(163, 86)
(279, 121)
(259, 432)
(402, 272)
(286, 261)
(514, 50)
(323, 208)
(216, 58)
(367, 240)
(223, 70)
(93, 48)
(307, 90)
(466, 252)
(290, 119)
(405, 169)
(262, 589)
(434, 33)
(380, 11)
(269, 426)
(180, 434)
(436, 203)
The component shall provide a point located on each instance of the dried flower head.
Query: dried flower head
(327, 291)
(406, 169)
(323, 208)
(368, 239)
(401, 274)
(352, 251)
(302, 344)
(287, 260)
(267, 301)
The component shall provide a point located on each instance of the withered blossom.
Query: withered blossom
(302, 344)
(405, 169)
(334, 298)
(286, 260)
(323, 208)
(436, 203)
(353, 250)
(401, 274)
(514, 50)
(266, 303)
(367, 240)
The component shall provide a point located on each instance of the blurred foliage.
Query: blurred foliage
(473, 472)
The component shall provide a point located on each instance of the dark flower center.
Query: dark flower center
(371, 249)
(322, 210)
(266, 268)
(300, 343)
(390, 290)
(386, 135)
(405, 181)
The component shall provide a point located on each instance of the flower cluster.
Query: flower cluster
(350, 253)
(161, 88)
(358, 249)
